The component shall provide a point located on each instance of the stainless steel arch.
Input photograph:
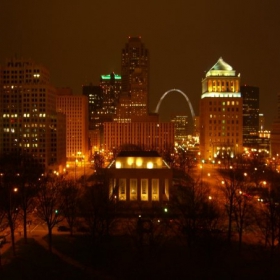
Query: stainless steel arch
(186, 97)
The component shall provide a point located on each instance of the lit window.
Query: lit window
(144, 189)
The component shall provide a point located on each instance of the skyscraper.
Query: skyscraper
(134, 56)
(133, 100)
(181, 128)
(133, 125)
(275, 132)
(75, 108)
(95, 104)
(111, 89)
(251, 108)
(221, 115)
(29, 121)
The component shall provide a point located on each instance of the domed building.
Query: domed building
(221, 116)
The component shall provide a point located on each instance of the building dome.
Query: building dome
(221, 65)
(221, 68)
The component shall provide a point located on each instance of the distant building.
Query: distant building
(221, 117)
(139, 176)
(75, 107)
(251, 108)
(95, 104)
(29, 120)
(157, 136)
(180, 128)
(134, 57)
(261, 122)
(133, 124)
(111, 89)
(133, 100)
(275, 131)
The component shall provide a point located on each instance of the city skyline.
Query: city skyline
(80, 42)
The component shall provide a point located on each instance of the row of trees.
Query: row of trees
(195, 212)
(26, 191)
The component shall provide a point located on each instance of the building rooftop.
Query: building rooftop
(221, 65)
(138, 154)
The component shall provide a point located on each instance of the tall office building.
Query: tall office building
(275, 132)
(221, 117)
(29, 121)
(180, 128)
(134, 56)
(251, 108)
(133, 100)
(75, 107)
(111, 89)
(133, 124)
(95, 104)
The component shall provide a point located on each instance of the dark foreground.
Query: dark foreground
(122, 257)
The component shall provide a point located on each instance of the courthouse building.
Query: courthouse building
(139, 176)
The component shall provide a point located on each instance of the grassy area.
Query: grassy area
(34, 262)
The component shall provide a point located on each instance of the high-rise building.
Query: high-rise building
(261, 122)
(95, 104)
(111, 89)
(134, 57)
(251, 108)
(133, 124)
(221, 117)
(180, 128)
(75, 107)
(133, 100)
(275, 132)
(29, 121)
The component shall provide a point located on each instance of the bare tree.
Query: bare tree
(70, 196)
(49, 203)
(243, 212)
(29, 175)
(98, 210)
(232, 182)
(9, 192)
(196, 212)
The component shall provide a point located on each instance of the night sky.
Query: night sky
(80, 40)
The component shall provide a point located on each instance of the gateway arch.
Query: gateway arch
(186, 97)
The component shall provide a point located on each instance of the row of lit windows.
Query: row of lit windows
(223, 128)
(224, 103)
(219, 109)
(133, 189)
(223, 121)
(228, 140)
(21, 71)
(223, 134)
(27, 81)
(223, 116)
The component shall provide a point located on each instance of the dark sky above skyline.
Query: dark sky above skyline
(80, 40)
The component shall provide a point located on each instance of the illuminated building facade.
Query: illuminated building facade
(180, 128)
(29, 121)
(251, 108)
(146, 135)
(139, 176)
(75, 107)
(221, 116)
(133, 124)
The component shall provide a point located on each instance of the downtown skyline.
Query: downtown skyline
(80, 42)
